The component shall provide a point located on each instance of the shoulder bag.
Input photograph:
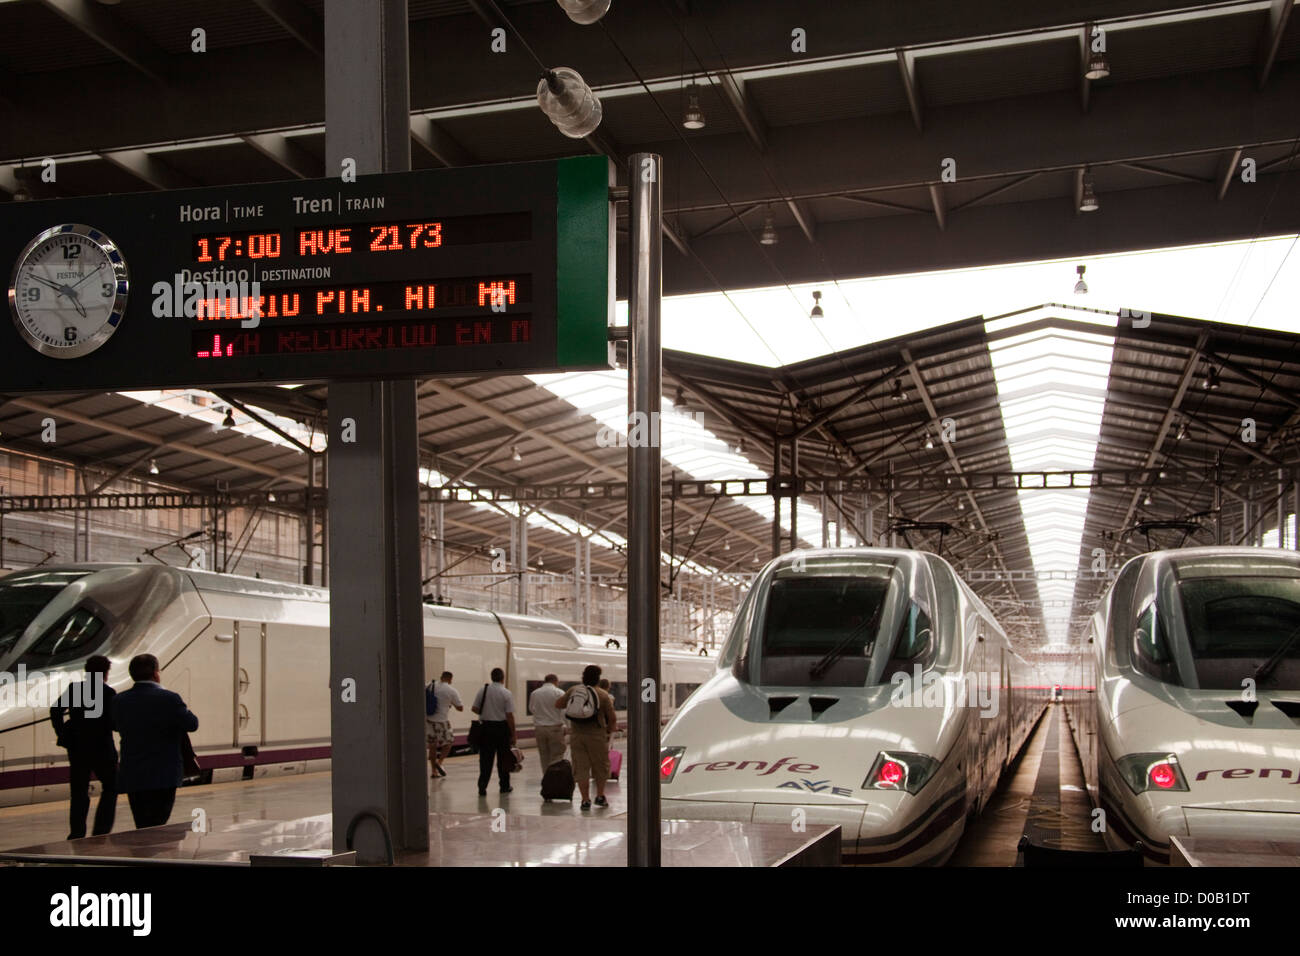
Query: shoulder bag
(475, 737)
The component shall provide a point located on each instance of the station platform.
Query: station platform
(1209, 851)
(284, 815)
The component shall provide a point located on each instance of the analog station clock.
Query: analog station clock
(68, 291)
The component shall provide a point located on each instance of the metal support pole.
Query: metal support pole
(310, 520)
(1295, 512)
(794, 497)
(523, 562)
(1282, 510)
(439, 552)
(586, 580)
(645, 290)
(776, 496)
(890, 513)
(376, 621)
(1218, 513)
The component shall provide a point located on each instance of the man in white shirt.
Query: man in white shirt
(495, 706)
(548, 722)
(437, 730)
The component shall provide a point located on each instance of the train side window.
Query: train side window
(619, 690)
(73, 638)
(683, 691)
(1151, 647)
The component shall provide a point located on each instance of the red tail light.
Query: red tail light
(890, 774)
(669, 759)
(1164, 776)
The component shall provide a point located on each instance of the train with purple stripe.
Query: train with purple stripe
(251, 659)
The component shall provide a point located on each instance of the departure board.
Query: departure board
(476, 270)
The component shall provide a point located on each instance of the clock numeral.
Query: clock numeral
(72, 251)
(70, 333)
(32, 294)
(107, 290)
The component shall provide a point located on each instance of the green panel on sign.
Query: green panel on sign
(584, 262)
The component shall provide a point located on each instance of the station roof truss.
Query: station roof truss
(901, 140)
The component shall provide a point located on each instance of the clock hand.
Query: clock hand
(88, 275)
(52, 284)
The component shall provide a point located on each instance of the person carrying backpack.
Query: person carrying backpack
(439, 698)
(591, 719)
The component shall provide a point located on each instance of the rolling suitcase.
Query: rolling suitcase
(615, 763)
(557, 781)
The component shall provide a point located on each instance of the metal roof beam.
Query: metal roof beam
(108, 31)
(148, 168)
(285, 153)
(438, 143)
(1279, 13)
(733, 91)
(157, 441)
(911, 88)
(299, 21)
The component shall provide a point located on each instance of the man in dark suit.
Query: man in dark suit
(152, 722)
(87, 735)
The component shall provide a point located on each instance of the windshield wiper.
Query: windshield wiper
(1266, 668)
(842, 648)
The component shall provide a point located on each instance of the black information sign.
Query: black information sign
(477, 270)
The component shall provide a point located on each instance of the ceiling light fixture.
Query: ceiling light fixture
(582, 11)
(229, 420)
(929, 442)
(898, 394)
(1098, 63)
(1182, 430)
(817, 312)
(153, 466)
(1088, 195)
(270, 497)
(1081, 287)
(569, 102)
(514, 453)
(1211, 380)
(679, 402)
(693, 118)
(768, 236)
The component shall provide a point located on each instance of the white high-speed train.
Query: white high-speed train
(869, 688)
(1186, 706)
(251, 659)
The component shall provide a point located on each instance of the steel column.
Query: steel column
(645, 290)
(376, 620)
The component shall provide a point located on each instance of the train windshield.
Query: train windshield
(822, 623)
(1243, 625)
(24, 595)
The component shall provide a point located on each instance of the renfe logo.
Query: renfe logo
(760, 766)
(75, 908)
(1240, 773)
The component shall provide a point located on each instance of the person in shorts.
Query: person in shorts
(589, 738)
(437, 726)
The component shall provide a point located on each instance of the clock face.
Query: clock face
(68, 291)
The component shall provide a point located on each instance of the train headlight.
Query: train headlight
(895, 770)
(1146, 772)
(669, 759)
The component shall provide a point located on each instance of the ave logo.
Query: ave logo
(815, 786)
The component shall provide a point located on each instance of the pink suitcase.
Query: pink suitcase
(615, 763)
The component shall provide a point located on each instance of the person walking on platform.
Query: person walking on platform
(438, 724)
(495, 706)
(87, 735)
(592, 719)
(152, 723)
(548, 722)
